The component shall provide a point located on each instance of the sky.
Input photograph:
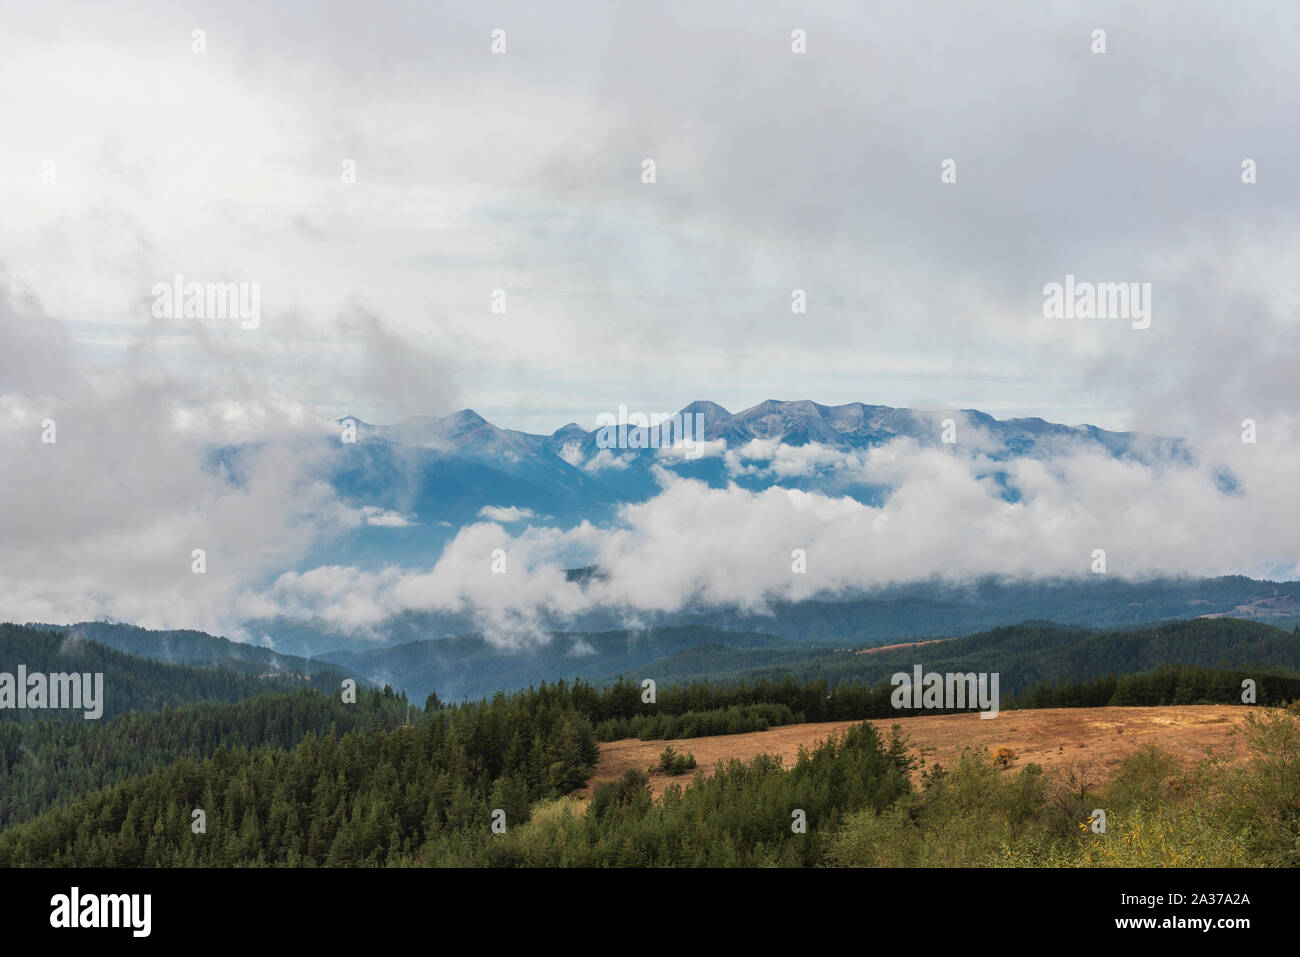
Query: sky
(136, 150)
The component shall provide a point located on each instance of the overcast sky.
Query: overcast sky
(128, 158)
(522, 171)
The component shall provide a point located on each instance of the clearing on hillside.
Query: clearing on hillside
(1046, 736)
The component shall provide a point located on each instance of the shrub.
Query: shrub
(670, 762)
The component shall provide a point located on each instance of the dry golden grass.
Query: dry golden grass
(1049, 736)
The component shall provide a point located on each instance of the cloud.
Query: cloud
(788, 461)
(915, 288)
(385, 518)
(175, 435)
(945, 518)
(606, 459)
(572, 453)
(679, 453)
(149, 465)
(37, 353)
(496, 513)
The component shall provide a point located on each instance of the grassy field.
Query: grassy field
(1096, 738)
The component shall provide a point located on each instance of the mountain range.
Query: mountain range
(422, 478)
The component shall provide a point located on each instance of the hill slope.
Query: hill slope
(197, 648)
(1024, 655)
(130, 682)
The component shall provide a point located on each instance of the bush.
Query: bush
(629, 795)
(670, 762)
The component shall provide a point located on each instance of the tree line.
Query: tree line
(45, 763)
(361, 798)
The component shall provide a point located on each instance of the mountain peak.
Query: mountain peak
(796, 423)
(711, 411)
(466, 418)
(434, 431)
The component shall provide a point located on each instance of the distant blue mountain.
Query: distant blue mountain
(924, 609)
(421, 480)
(439, 473)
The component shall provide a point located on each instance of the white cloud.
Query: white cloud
(903, 307)
(606, 459)
(150, 464)
(694, 274)
(572, 453)
(942, 520)
(386, 518)
(496, 513)
(679, 453)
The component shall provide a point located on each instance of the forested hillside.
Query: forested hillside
(202, 650)
(1024, 655)
(363, 798)
(301, 778)
(45, 763)
(470, 667)
(130, 682)
(935, 608)
(431, 795)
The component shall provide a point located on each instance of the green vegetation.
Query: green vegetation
(201, 650)
(130, 683)
(1156, 815)
(734, 650)
(380, 797)
(1025, 655)
(428, 795)
(1168, 684)
(736, 719)
(670, 762)
(935, 609)
(299, 778)
(741, 815)
(46, 763)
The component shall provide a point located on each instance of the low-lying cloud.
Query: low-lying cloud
(947, 516)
